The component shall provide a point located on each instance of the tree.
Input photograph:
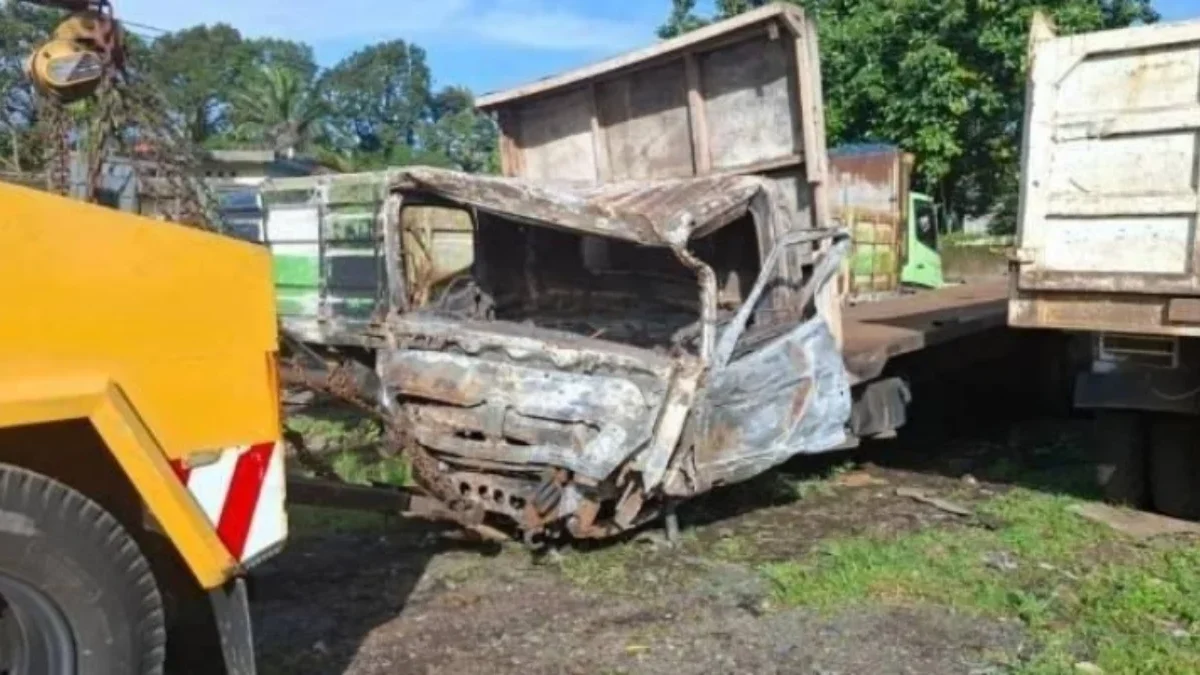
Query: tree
(466, 138)
(22, 28)
(198, 69)
(378, 96)
(276, 107)
(683, 18)
(943, 79)
(294, 56)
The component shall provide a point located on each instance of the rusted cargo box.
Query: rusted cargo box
(868, 196)
(1110, 198)
(740, 96)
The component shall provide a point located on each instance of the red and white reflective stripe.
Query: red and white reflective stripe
(242, 493)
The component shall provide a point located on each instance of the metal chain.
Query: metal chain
(54, 127)
(129, 119)
(340, 384)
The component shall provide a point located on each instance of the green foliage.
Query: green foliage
(382, 113)
(467, 139)
(296, 57)
(198, 69)
(377, 96)
(943, 79)
(683, 18)
(22, 28)
(275, 106)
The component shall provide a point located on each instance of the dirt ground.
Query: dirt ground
(373, 598)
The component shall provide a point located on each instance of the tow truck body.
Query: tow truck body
(138, 382)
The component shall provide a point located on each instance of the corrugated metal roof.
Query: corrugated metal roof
(649, 212)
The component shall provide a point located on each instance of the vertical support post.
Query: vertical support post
(394, 254)
(816, 159)
(697, 117)
(511, 161)
(812, 117)
(599, 142)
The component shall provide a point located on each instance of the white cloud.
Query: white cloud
(531, 24)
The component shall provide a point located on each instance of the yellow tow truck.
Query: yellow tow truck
(140, 462)
(141, 467)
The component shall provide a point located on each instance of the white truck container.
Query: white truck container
(1107, 243)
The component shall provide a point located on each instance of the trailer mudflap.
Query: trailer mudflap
(231, 609)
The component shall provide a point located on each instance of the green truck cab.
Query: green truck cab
(923, 262)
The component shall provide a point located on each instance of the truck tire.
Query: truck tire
(1175, 466)
(77, 596)
(1119, 438)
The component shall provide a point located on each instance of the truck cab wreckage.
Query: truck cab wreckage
(615, 348)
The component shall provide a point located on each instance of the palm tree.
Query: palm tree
(277, 107)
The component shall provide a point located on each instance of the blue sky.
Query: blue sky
(483, 44)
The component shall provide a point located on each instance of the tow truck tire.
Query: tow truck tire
(1175, 466)
(78, 596)
(1119, 439)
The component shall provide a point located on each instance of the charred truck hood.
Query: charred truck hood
(536, 414)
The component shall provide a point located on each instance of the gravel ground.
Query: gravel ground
(412, 599)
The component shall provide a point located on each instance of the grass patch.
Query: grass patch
(1081, 591)
(354, 467)
(602, 569)
(345, 429)
(351, 437)
(734, 549)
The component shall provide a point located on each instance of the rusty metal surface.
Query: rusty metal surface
(876, 332)
(591, 434)
(1183, 310)
(651, 212)
(868, 196)
(1093, 312)
(590, 424)
(788, 396)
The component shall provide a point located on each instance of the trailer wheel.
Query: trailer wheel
(77, 596)
(1175, 466)
(1119, 438)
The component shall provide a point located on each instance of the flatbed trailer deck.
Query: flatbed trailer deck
(877, 332)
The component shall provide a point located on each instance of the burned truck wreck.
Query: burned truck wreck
(615, 348)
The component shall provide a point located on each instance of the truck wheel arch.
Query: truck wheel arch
(103, 449)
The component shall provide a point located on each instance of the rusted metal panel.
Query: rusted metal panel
(783, 398)
(653, 213)
(877, 332)
(868, 196)
(1109, 196)
(1086, 311)
(739, 96)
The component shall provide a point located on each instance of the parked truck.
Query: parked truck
(895, 229)
(141, 474)
(1107, 246)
